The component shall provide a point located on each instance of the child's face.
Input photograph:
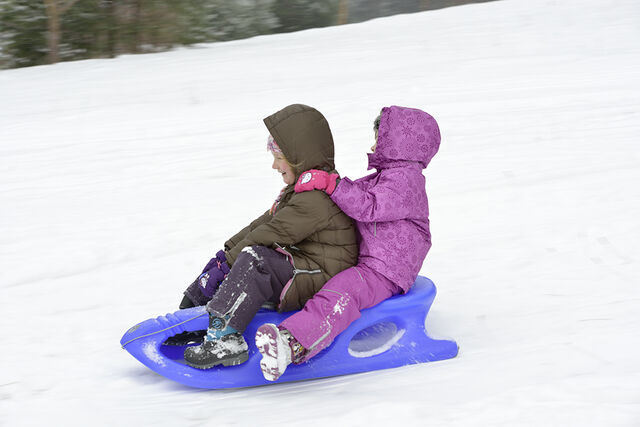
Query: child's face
(373, 147)
(281, 165)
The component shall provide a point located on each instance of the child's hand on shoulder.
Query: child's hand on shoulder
(314, 179)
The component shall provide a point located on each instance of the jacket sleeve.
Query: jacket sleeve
(233, 241)
(388, 198)
(305, 214)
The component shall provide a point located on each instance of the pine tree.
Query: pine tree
(23, 26)
(230, 20)
(295, 15)
(34, 32)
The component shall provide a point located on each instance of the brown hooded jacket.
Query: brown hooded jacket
(320, 238)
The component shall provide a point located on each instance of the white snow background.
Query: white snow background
(120, 178)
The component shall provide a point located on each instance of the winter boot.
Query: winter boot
(279, 349)
(222, 345)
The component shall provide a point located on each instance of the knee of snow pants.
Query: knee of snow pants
(337, 305)
(257, 276)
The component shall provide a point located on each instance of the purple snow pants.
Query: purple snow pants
(337, 305)
(257, 276)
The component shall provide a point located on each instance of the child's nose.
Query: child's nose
(274, 165)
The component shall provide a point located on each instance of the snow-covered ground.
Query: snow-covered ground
(120, 178)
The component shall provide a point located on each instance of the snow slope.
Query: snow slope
(120, 178)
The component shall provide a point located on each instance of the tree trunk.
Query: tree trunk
(138, 27)
(112, 24)
(53, 31)
(343, 12)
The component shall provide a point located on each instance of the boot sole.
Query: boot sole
(269, 365)
(241, 358)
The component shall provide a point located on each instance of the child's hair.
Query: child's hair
(376, 123)
(272, 146)
(293, 166)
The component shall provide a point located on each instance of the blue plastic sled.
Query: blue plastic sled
(388, 335)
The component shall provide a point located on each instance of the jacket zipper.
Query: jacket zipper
(296, 271)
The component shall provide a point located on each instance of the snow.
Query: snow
(340, 305)
(222, 347)
(376, 339)
(150, 350)
(252, 252)
(120, 178)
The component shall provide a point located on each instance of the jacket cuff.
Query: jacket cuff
(343, 187)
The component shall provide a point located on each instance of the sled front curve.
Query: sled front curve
(388, 335)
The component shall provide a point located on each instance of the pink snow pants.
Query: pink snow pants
(337, 305)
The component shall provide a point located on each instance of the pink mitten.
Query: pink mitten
(316, 180)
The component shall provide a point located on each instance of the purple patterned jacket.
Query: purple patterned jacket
(390, 206)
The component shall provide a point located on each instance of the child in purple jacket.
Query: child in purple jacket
(392, 216)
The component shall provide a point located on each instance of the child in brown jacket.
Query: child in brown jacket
(286, 255)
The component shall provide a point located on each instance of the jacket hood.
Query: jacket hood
(304, 136)
(405, 134)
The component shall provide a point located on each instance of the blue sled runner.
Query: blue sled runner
(388, 335)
